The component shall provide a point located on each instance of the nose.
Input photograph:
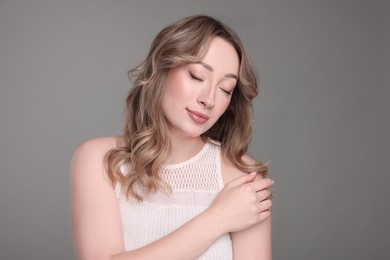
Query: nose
(207, 97)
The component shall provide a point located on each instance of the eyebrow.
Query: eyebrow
(208, 67)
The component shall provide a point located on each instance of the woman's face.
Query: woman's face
(197, 94)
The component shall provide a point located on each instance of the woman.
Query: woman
(176, 183)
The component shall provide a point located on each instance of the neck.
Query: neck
(184, 149)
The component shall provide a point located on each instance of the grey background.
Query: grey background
(322, 118)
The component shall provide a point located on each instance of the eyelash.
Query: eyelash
(195, 77)
(227, 92)
(201, 80)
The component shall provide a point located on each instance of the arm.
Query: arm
(96, 217)
(96, 222)
(253, 243)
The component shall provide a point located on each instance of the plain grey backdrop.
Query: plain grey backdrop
(322, 117)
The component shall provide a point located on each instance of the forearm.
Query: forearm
(187, 242)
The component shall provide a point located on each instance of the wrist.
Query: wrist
(214, 223)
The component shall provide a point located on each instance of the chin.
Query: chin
(190, 130)
(194, 134)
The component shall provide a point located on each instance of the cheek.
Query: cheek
(177, 87)
(224, 104)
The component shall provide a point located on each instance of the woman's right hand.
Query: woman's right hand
(242, 203)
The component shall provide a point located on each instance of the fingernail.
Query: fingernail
(253, 173)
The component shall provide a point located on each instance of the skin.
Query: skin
(197, 94)
(241, 208)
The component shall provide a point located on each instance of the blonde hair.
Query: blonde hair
(144, 144)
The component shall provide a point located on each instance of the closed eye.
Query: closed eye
(195, 77)
(227, 92)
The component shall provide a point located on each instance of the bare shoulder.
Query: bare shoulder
(230, 172)
(96, 146)
(88, 157)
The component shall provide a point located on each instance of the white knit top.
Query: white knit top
(194, 183)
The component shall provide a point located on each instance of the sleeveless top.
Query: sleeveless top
(194, 182)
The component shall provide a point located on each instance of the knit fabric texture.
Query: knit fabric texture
(195, 183)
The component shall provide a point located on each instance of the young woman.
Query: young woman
(177, 183)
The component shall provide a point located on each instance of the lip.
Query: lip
(197, 116)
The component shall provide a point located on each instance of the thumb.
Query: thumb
(243, 179)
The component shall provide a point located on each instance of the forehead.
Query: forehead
(222, 56)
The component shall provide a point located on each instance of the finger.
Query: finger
(263, 195)
(262, 184)
(243, 179)
(264, 215)
(265, 205)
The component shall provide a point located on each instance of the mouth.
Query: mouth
(197, 117)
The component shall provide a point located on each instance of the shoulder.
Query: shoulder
(94, 149)
(88, 158)
(96, 146)
(231, 172)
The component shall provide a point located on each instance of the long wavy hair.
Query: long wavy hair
(145, 144)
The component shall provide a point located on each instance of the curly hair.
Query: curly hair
(144, 143)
